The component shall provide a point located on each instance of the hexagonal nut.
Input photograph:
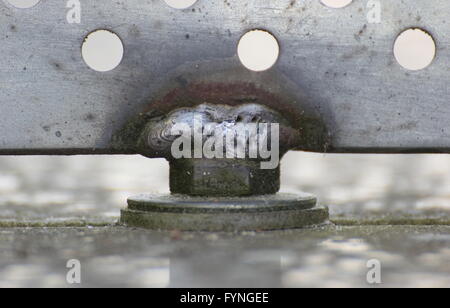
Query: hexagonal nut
(222, 177)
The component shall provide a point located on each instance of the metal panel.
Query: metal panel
(341, 65)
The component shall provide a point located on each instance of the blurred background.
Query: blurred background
(98, 186)
(394, 208)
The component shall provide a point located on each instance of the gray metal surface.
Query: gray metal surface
(340, 65)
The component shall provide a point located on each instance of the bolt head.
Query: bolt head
(222, 177)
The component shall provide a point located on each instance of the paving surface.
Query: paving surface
(395, 209)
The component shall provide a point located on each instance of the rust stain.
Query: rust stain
(231, 94)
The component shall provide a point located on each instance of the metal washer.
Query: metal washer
(256, 213)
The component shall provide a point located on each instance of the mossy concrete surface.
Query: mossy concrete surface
(331, 256)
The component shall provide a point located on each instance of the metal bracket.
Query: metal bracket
(333, 65)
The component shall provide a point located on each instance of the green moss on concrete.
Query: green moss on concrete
(392, 221)
(62, 224)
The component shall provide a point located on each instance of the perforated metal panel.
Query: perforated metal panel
(332, 61)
